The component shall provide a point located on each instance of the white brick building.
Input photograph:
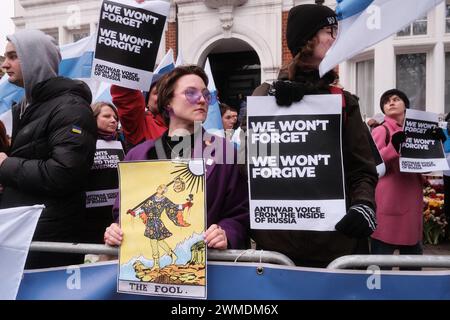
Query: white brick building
(243, 39)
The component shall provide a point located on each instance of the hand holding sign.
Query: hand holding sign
(287, 92)
(436, 133)
(359, 222)
(397, 139)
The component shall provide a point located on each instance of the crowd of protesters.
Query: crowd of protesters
(51, 159)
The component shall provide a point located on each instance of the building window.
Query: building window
(447, 17)
(52, 32)
(364, 86)
(411, 78)
(447, 82)
(78, 34)
(418, 27)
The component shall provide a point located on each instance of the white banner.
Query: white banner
(363, 23)
(17, 227)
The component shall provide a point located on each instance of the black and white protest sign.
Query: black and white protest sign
(128, 39)
(295, 163)
(381, 167)
(103, 184)
(421, 152)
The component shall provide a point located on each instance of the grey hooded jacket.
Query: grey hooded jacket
(53, 145)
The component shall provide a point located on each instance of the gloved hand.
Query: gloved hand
(397, 139)
(436, 133)
(359, 222)
(287, 92)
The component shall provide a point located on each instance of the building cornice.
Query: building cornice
(26, 4)
(217, 4)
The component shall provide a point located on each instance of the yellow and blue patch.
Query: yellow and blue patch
(76, 129)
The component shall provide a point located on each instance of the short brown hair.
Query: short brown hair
(224, 108)
(297, 62)
(166, 86)
(97, 108)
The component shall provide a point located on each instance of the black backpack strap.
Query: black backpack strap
(388, 135)
(337, 90)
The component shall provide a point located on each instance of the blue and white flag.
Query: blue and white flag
(213, 123)
(180, 60)
(167, 63)
(17, 227)
(9, 94)
(77, 58)
(76, 63)
(363, 23)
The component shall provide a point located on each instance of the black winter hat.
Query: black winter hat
(303, 23)
(385, 97)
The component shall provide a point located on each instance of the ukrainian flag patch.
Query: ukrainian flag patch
(76, 129)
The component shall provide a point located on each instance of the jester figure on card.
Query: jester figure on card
(150, 211)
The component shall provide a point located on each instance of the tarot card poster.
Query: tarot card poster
(163, 217)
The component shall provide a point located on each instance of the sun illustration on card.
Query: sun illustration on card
(192, 171)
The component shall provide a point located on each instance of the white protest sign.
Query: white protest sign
(420, 152)
(128, 39)
(295, 163)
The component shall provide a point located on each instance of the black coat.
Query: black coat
(53, 145)
(319, 248)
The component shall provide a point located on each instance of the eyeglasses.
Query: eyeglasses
(193, 95)
(332, 31)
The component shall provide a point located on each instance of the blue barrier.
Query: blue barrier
(240, 281)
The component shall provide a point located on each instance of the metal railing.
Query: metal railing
(213, 254)
(409, 261)
(261, 256)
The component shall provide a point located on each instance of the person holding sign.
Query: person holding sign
(103, 180)
(400, 222)
(139, 124)
(183, 99)
(311, 30)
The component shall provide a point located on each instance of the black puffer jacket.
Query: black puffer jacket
(318, 248)
(53, 146)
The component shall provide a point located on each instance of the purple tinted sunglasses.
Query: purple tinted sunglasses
(194, 95)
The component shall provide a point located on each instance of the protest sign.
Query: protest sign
(379, 163)
(103, 182)
(128, 39)
(295, 163)
(421, 152)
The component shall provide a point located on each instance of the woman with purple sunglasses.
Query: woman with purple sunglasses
(183, 100)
